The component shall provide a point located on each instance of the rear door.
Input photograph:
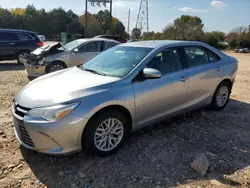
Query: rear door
(85, 52)
(8, 44)
(27, 41)
(205, 71)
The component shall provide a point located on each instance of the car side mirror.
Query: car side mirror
(151, 73)
(76, 51)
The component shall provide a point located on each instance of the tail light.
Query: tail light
(39, 44)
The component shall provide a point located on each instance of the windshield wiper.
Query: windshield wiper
(94, 71)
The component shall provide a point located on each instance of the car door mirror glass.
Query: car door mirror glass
(150, 73)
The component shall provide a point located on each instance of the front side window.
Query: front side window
(196, 56)
(90, 47)
(166, 61)
(117, 61)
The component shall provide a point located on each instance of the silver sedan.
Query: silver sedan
(94, 107)
(49, 59)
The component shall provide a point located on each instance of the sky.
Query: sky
(223, 15)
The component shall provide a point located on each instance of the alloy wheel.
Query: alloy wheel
(108, 134)
(22, 58)
(222, 96)
(56, 67)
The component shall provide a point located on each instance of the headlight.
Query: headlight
(41, 62)
(53, 113)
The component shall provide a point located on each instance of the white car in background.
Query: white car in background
(41, 37)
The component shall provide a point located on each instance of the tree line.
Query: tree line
(191, 28)
(52, 23)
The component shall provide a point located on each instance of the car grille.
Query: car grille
(19, 113)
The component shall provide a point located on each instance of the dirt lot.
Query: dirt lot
(159, 156)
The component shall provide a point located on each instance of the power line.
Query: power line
(98, 3)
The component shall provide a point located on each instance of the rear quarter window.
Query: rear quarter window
(213, 57)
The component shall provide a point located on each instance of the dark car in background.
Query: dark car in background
(17, 44)
(113, 37)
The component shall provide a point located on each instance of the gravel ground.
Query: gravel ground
(159, 156)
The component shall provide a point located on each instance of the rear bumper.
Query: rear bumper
(35, 70)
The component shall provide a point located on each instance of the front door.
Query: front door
(156, 98)
(85, 53)
(205, 70)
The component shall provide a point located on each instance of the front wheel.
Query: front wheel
(221, 96)
(56, 66)
(105, 133)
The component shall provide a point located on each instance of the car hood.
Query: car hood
(49, 51)
(62, 86)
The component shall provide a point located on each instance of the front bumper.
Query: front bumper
(35, 70)
(60, 137)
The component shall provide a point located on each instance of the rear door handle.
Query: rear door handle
(183, 79)
(12, 43)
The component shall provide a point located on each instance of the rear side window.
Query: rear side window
(196, 56)
(23, 36)
(107, 45)
(91, 47)
(4, 36)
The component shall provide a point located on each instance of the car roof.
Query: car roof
(97, 39)
(16, 30)
(98, 36)
(159, 43)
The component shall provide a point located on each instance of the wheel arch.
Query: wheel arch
(227, 80)
(23, 50)
(119, 108)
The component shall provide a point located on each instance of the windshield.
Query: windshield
(72, 45)
(117, 61)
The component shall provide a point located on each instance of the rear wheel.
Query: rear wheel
(221, 96)
(56, 66)
(105, 133)
(22, 57)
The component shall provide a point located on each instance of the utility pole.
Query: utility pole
(128, 20)
(142, 18)
(86, 18)
(110, 14)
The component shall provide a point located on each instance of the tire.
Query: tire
(220, 102)
(30, 78)
(20, 57)
(55, 66)
(91, 139)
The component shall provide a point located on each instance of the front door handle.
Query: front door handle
(12, 43)
(218, 69)
(183, 79)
